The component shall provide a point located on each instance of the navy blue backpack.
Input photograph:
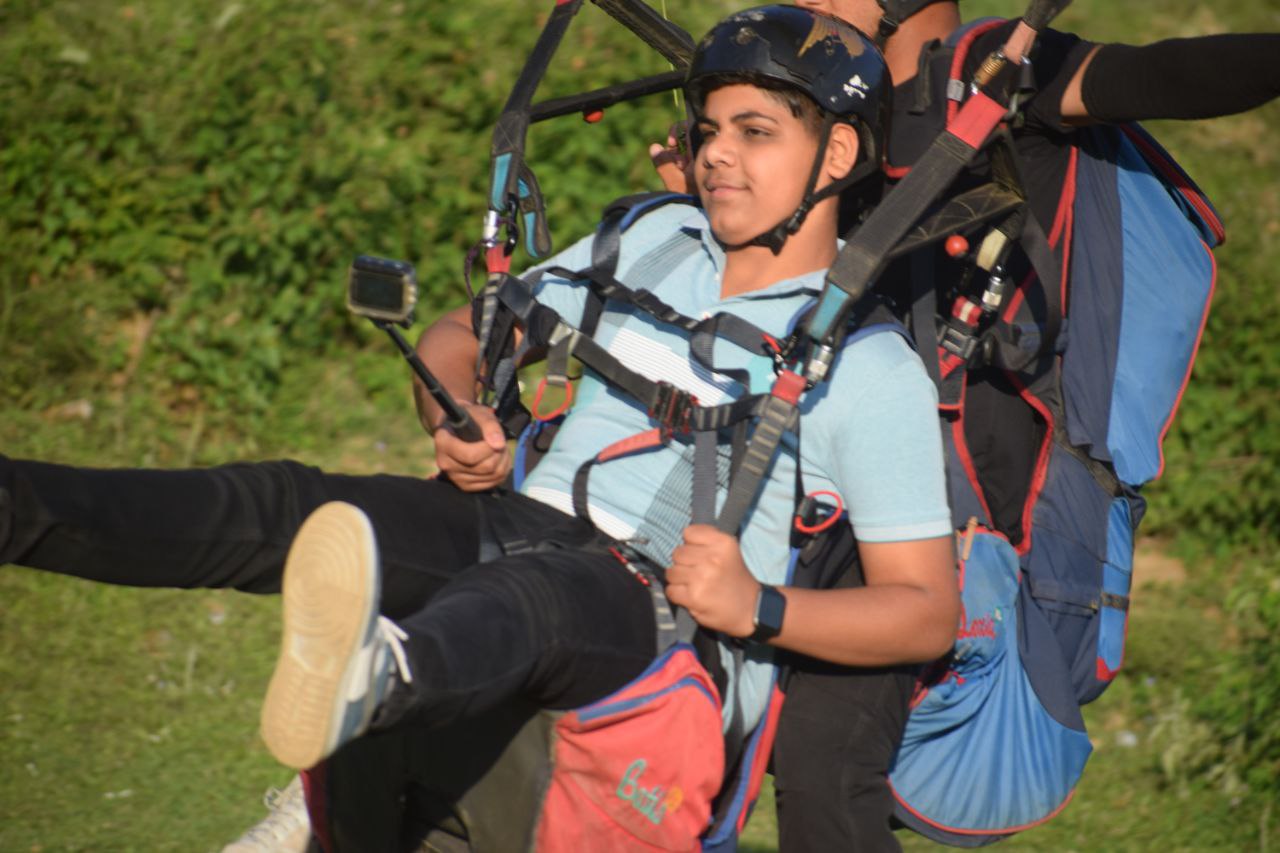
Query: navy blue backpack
(995, 742)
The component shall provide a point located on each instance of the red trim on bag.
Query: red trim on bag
(1042, 461)
(1068, 230)
(1175, 176)
(1066, 198)
(1191, 362)
(314, 784)
(764, 749)
(947, 363)
(1009, 830)
(1104, 673)
(1063, 221)
(966, 461)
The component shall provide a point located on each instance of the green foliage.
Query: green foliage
(184, 185)
(214, 167)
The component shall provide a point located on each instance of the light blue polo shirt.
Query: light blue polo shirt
(870, 433)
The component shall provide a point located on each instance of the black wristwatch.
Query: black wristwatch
(770, 606)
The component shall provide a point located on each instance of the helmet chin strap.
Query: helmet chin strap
(888, 26)
(776, 237)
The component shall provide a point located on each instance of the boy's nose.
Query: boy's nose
(715, 151)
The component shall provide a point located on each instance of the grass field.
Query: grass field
(128, 717)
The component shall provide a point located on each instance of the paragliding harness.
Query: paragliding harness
(644, 768)
(752, 426)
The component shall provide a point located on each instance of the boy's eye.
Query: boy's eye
(755, 131)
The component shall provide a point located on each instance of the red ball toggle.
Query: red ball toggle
(593, 116)
(957, 246)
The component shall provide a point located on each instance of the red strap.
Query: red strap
(788, 386)
(639, 441)
(961, 53)
(966, 311)
(977, 119)
(497, 260)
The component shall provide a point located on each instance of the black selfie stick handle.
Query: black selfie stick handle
(456, 418)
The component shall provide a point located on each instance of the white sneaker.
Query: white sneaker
(286, 829)
(338, 657)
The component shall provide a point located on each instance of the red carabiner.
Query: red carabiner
(564, 407)
(810, 529)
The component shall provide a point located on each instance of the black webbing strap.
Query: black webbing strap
(1041, 12)
(924, 311)
(732, 328)
(867, 251)
(606, 96)
(675, 45)
(507, 151)
(513, 189)
(778, 416)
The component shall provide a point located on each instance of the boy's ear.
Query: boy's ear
(842, 150)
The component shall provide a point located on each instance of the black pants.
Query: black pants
(562, 624)
(839, 729)
(553, 643)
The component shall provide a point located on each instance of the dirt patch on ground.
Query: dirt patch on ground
(1152, 566)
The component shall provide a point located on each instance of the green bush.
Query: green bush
(215, 166)
(184, 184)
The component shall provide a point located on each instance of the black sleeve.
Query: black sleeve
(1182, 78)
(1054, 61)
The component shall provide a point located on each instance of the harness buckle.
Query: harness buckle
(673, 409)
(958, 341)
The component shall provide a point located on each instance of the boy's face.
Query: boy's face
(754, 162)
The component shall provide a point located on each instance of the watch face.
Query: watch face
(770, 608)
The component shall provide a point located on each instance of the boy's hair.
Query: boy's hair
(797, 101)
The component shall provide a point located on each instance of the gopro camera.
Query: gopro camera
(382, 289)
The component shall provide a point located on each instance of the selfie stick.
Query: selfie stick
(456, 418)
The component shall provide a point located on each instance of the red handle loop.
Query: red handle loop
(564, 407)
(831, 519)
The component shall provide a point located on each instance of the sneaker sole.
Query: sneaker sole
(330, 608)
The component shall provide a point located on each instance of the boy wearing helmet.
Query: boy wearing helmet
(768, 165)
(564, 623)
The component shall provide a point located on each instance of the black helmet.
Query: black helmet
(823, 57)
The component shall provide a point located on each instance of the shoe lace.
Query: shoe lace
(395, 637)
(288, 813)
